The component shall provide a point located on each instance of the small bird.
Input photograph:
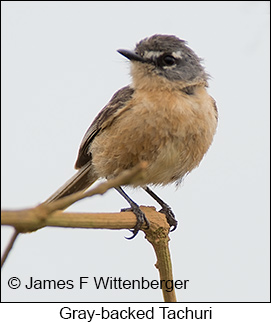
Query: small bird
(164, 117)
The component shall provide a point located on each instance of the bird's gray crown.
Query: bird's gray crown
(171, 57)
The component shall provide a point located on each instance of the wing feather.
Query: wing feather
(103, 119)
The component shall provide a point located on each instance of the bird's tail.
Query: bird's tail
(84, 177)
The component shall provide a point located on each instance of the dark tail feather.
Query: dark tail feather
(80, 181)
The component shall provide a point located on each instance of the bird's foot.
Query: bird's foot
(140, 219)
(169, 216)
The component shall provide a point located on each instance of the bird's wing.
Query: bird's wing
(106, 116)
(86, 174)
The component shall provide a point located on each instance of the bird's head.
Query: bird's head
(164, 61)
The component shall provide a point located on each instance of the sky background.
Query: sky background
(59, 68)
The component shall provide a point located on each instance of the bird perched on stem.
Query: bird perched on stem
(165, 117)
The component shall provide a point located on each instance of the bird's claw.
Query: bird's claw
(140, 219)
(170, 217)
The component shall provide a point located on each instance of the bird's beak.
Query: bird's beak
(132, 56)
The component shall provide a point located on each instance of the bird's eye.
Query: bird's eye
(169, 60)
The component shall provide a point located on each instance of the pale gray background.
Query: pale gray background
(59, 68)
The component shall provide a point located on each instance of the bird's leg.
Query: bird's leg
(140, 216)
(166, 209)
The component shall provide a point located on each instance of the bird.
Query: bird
(165, 118)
